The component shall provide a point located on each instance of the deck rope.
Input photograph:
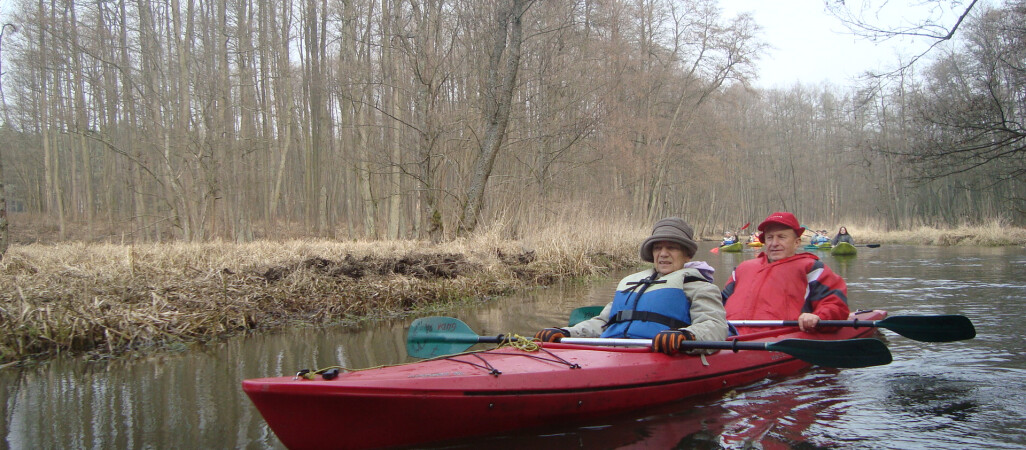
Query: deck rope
(508, 340)
(328, 373)
(520, 342)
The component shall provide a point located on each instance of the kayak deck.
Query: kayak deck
(502, 389)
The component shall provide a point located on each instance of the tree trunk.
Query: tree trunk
(51, 177)
(428, 63)
(362, 122)
(243, 186)
(390, 106)
(315, 85)
(285, 95)
(4, 232)
(82, 124)
(498, 92)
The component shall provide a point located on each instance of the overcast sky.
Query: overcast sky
(810, 46)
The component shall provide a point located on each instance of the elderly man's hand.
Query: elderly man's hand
(807, 321)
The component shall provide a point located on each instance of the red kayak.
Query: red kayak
(498, 390)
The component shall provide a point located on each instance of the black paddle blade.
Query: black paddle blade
(943, 328)
(850, 353)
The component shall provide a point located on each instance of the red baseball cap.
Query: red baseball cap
(783, 218)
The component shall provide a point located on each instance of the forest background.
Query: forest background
(179, 170)
(196, 120)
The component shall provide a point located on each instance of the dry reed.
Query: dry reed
(107, 299)
(994, 233)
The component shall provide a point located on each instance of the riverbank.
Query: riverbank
(106, 299)
(993, 234)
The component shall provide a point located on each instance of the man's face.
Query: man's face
(668, 257)
(779, 242)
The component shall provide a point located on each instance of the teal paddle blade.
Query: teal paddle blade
(430, 337)
(584, 313)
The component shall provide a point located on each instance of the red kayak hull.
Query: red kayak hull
(505, 389)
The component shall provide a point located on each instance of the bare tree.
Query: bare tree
(430, 53)
(866, 22)
(970, 111)
(204, 119)
(54, 194)
(711, 53)
(498, 87)
(4, 231)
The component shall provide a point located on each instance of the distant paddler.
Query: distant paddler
(842, 236)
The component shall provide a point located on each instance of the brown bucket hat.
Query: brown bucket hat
(672, 229)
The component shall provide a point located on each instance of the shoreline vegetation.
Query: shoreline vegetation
(109, 299)
(103, 299)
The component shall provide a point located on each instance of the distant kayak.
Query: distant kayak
(755, 244)
(843, 249)
(823, 246)
(734, 248)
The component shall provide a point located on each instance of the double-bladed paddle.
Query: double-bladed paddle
(431, 337)
(943, 328)
(939, 328)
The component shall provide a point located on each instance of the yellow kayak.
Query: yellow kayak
(843, 249)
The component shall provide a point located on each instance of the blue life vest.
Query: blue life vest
(644, 305)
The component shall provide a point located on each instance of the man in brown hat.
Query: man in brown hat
(672, 302)
(782, 284)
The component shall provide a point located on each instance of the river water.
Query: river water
(934, 395)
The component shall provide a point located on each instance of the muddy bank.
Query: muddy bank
(106, 300)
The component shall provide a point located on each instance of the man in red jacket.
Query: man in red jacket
(782, 284)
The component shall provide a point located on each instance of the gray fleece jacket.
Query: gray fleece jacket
(708, 318)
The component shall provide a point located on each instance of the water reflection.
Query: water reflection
(191, 399)
(933, 397)
(767, 414)
(953, 395)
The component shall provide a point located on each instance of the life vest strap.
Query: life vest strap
(646, 316)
